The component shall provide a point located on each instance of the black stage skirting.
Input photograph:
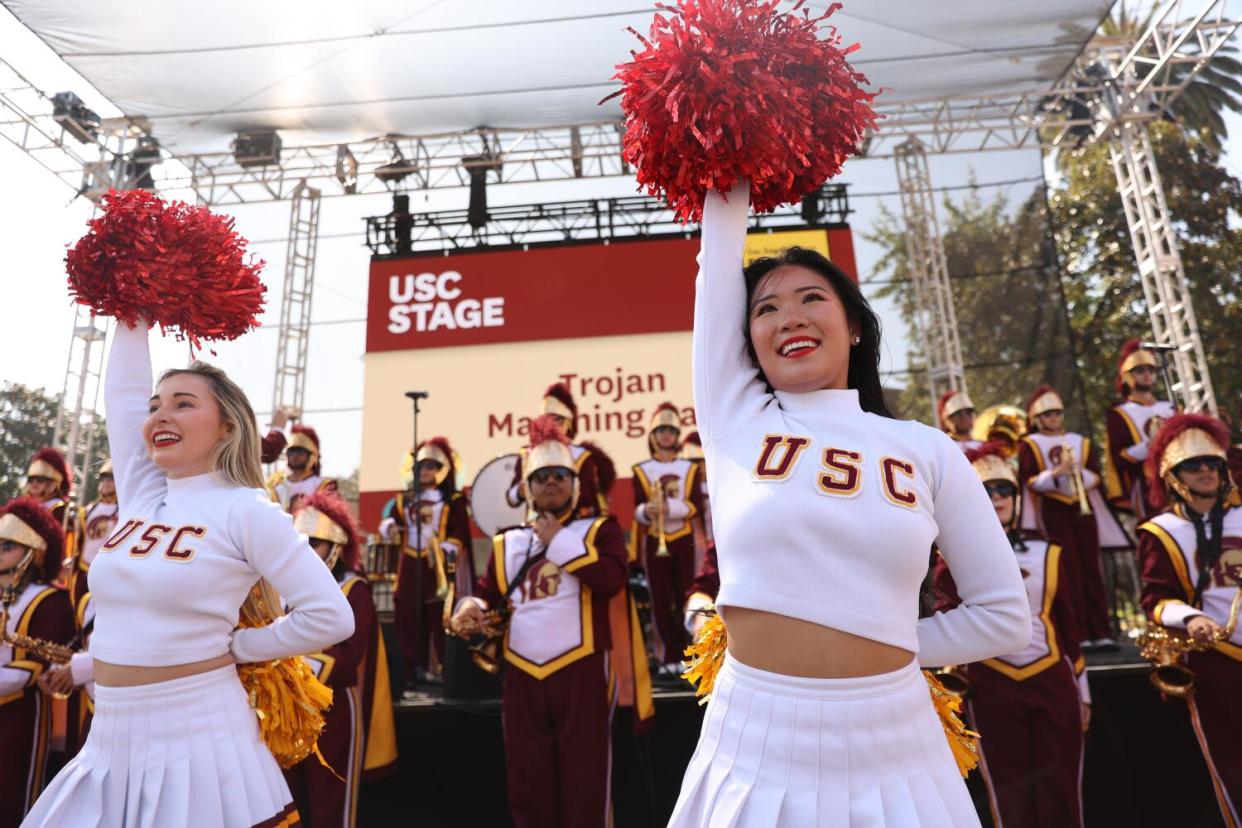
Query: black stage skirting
(1143, 766)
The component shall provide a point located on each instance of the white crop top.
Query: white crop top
(168, 584)
(826, 513)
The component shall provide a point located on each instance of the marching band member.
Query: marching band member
(301, 476)
(431, 521)
(174, 741)
(595, 469)
(810, 476)
(1131, 424)
(96, 523)
(1060, 474)
(1190, 557)
(50, 481)
(31, 548)
(358, 734)
(957, 418)
(1030, 707)
(553, 579)
(666, 502)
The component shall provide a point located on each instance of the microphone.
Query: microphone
(1152, 346)
(417, 395)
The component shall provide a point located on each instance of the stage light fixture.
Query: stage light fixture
(396, 170)
(75, 117)
(477, 167)
(401, 241)
(133, 170)
(256, 148)
(346, 169)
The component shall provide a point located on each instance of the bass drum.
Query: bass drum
(489, 496)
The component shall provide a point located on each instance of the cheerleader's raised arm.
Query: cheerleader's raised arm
(127, 394)
(727, 386)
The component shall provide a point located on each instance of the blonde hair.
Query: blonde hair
(237, 456)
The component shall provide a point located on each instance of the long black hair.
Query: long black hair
(864, 365)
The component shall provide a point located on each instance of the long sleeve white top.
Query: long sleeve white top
(168, 584)
(811, 539)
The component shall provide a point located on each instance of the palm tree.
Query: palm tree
(1201, 105)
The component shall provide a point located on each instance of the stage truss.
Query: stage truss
(1111, 92)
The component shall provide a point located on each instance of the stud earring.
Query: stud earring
(856, 340)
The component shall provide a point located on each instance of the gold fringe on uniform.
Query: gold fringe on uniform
(706, 655)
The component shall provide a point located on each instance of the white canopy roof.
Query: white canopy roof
(325, 71)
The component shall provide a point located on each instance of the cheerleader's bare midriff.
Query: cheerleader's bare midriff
(127, 675)
(793, 647)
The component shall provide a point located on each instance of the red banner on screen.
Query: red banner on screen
(555, 292)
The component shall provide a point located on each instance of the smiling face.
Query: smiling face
(183, 426)
(666, 438)
(1202, 475)
(800, 331)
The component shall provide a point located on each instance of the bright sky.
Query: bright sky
(40, 217)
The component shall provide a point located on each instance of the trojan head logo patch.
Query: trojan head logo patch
(1228, 570)
(543, 581)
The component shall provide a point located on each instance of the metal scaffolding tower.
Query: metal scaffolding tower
(1160, 268)
(79, 401)
(289, 391)
(929, 273)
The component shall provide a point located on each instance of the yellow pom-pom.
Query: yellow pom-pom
(705, 655)
(962, 741)
(289, 703)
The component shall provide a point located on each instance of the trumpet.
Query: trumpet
(1165, 648)
(662, 547)
(1080, 488)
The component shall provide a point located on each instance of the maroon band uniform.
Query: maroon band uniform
(445, 519)
(1052, 508)
(556, 700)
(1026, 705)
(1169, 563)
(676, 481)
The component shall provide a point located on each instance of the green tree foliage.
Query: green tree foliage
(27, 420)
(1105, 296)
(1010, 315)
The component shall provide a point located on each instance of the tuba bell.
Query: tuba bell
(1001, 423)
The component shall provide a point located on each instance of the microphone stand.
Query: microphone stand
(419, 608)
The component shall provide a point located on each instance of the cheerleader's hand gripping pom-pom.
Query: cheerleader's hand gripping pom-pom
(173, 264)
(737, 89)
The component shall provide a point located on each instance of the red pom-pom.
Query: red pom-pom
(737, 89)
(176, 265)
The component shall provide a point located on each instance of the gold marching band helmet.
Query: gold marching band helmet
(1193, 442)
(105, 467)
(317, 525)
(1141, 356)
(41, 468)
(1049, 400)
(952, 403)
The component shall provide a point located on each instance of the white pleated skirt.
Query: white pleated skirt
(185, 752)
(780, 750)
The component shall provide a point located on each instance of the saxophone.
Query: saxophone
(1165, 648)
(48, 651)
(486, 654)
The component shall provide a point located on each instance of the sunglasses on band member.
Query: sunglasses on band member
(1000, 489)
(542, 476)
(1195, 464)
